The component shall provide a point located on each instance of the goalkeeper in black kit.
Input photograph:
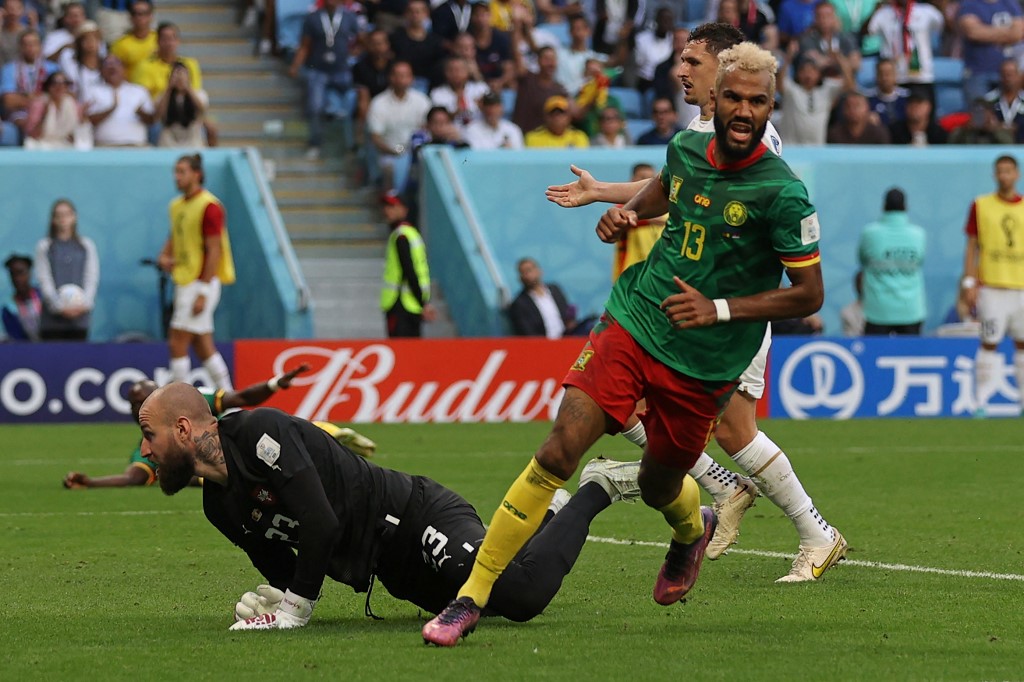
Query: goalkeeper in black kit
(303, 507)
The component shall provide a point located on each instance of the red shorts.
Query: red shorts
(682, 412)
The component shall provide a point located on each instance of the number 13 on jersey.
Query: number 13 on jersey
(693, 240)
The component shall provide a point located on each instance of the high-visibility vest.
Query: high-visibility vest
(1000, 242)
(188, 242)
(394, 285)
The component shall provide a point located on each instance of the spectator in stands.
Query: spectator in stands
(464, 46)
(616, 23)
(415, 45)
(64, 37)
(887, 99)
(593, 97)
(653, 46)
(139, 43)
(535, 89)
(918, 128)
(851, 316)
(20, 82)
(394, 115)
(906, 30)
(556, 11)
(542, 309)
(853, 16)
(1007, 100)
(667, 81)
(492, 130)
(495, 52)
(54, 116)
(807, 101)
(322, 58)
(755, 20)
(795, 17)
(823, 40)
(69, 274)
(557, 131)
(573, 58)
(666, 123)
(82, 64)
(990, 29)
(982, 128)
(449, 19)
(506, 13)
(114, 18)
(459, 95)
(22, 323)
(891, 255)
(180, 111)
(857, 125)
(635, 244)
(370, 75)
(120, 111)
(388, 15)
(611, 130)
(405, 294)
(15, 19)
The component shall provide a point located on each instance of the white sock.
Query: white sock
(768, 465)
(716, 479)
(180, 368)
(1018, 365)
(218, 370)
(987, 364)
(636, 435)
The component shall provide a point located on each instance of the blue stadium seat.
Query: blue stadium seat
(637, 127)
(560, 31)
(290, 15)
(866, 74)
(508, 102)
(630, 100)
(949, 99)
(948, 71)
(421, 84)
(695, 11)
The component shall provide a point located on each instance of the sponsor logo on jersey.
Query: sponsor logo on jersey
(581, 361)
(268, 450)
(735, 213)
(673, 194)
(701, 200)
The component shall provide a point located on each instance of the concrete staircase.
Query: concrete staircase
(334, 225)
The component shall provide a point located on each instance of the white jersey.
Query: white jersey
(771, 138)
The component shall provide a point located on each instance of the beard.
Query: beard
(175, 472)
(737, 152)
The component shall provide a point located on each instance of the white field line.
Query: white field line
(144, 512)
(848, 562)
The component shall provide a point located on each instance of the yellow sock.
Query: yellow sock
(683, 513)
(515, 522)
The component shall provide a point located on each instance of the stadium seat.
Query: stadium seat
(630, 100)
(559, 31)
(696, 10)
(637, 127)
(866, 74)
(508, 102)
(290, 15)
(421, 84)
(948, 71)
(949, 99)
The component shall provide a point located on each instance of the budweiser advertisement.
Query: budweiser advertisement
(415, 381)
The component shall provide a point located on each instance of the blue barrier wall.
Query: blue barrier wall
(122, 197)
(506, 189)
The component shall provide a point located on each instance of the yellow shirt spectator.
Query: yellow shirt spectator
(502, 13)
(542, 137)
(154, 74)
(132, 50)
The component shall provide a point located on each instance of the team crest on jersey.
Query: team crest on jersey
(257, 515)
(735, 213)
(582, 360)
(677, 183)
(263, 496)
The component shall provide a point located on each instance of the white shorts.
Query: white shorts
(184, 297)
(752, 379)
(1001, 311)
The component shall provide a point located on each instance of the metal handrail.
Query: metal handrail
(474, 227)
(280, 233)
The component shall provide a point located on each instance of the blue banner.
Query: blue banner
(77, 382)
(840, 378)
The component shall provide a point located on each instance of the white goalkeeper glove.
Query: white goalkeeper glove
(264, 600)
(292, 612)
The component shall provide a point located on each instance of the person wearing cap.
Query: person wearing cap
(22, 323)
(557, 131)
(891, 255)
(405, 294)
(492, 130)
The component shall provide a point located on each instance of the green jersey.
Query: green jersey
(731, 232)
(213, 399)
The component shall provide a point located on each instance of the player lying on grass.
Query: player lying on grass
(303, 507)
(141, 471)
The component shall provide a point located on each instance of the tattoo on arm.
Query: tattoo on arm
(208, 449)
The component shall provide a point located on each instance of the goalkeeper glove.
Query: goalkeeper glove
(293, 612)
(264, 600)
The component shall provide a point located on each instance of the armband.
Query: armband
(722, 308)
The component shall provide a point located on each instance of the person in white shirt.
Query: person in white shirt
(492, 130)
(394, 115)
(906, 29)
(459, 95)
(653, 47)
(61, 38)
(120, 111)
(807, 101)
(572, 60)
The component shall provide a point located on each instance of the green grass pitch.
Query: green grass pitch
(130, 584)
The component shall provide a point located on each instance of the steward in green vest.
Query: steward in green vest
(405, 293)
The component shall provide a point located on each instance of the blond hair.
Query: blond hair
(750, 58)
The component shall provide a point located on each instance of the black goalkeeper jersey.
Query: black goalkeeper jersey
(301, 505)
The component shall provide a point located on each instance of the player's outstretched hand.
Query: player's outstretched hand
(689, 308)
(293, 612)
(76, 480)
(286, 379)
(264, 600)
(574, 194)
(614, 223)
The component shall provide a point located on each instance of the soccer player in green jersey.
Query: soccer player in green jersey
(769, 469)
(679, 330)
(141, 471)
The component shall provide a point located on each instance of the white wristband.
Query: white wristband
(273, 384)
(968, 283)
(722, 308)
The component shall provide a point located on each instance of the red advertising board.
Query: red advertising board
(421, 380)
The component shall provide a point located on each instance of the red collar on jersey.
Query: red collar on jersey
(758, 152)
